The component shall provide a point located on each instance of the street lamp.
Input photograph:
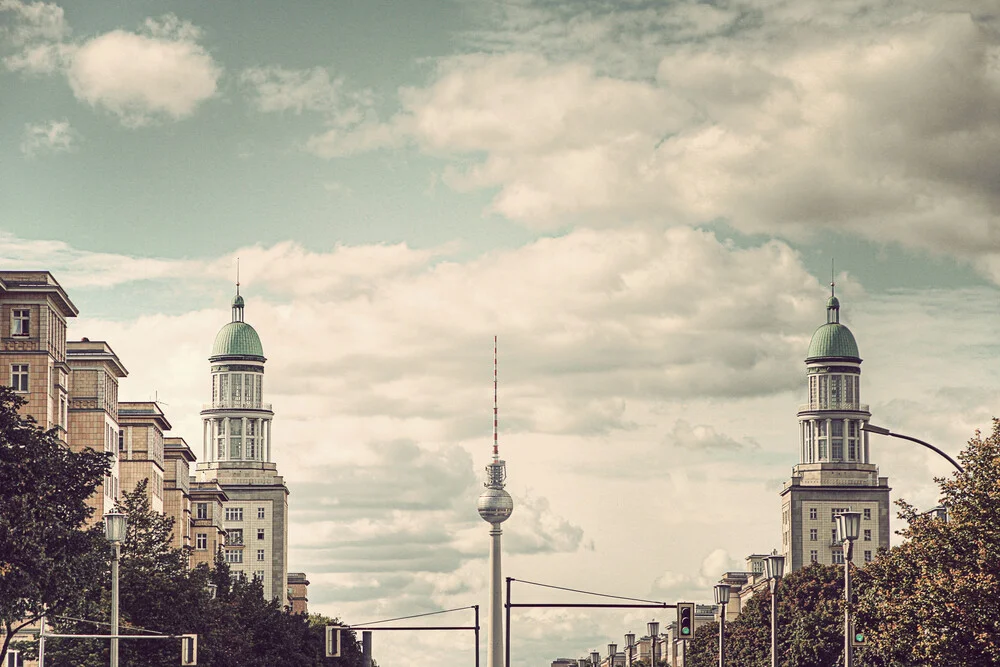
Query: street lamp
(612, 652)
(848, 528)
(595, 659)
(114, 532)
(871, 428)
(722, 599)
(774, 566)
(629, 645)
(654, 631)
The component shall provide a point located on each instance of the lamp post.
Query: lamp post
(629, 645)
(871, 428)
(848, 528)
(612, 652)
(722, 599)
(654, 631)
(114, 532)
(775, 568)
(595, 659)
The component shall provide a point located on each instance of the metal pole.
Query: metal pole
(774, 622)
(506, 647)
(476, 607)
(848, 649)
(114, 604)
(41, 643)
(366, 648)
(722, 640)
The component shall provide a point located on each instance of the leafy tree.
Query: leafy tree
(703, 648)
(934, 599)
(47, 560)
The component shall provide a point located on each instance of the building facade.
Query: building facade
(835, 472)
(236, 447)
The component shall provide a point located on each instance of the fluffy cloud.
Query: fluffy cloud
(160, 72)
(56, 136)
(163, 73)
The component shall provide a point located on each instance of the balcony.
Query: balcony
(236, 405)
(834, 405)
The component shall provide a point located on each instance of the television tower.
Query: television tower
(495, 506)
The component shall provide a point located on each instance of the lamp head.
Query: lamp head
(595, 658)
(774, 566)
(722, 593)
(114, 527)
(654, 629)
(630, 640)
(848, 526)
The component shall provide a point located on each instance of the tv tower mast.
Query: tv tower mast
(495, 506)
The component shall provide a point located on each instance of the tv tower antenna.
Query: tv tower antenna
(495, 506)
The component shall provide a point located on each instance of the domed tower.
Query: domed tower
(495, 506)
(834, 472)
(238, 457)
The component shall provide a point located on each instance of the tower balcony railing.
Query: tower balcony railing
(834, 405)
(230, 404)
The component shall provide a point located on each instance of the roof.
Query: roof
(237, 339)
(833, 341)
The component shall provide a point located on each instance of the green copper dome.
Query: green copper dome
(237, 338)
(833, 339)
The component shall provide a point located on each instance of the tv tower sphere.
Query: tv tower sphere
(495, 505)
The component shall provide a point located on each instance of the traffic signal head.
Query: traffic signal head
(189, 649)
(333, 641)
(858, 637)
(685, 620)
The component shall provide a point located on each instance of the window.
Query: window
(224, 389)
(837, 440)
(838, 510)
(19, 377)
(813, 556)
(234, 536)
(234, 556)
(235, 438)
(237, 385)
(251, 439)
(260, 512)
(813, 513)
(838, 557)
(248, 388)
(833, 536)
(220, 438)
(813, 534)
(258, 575)
(260, 555)
(868, 556)
(121, 440)
(868, 534)
(234, 514)
(260, 533)
(201, 541)
(201, 510)
(868, 515)
(20, 326)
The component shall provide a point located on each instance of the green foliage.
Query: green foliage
(46, 560)
(703, 648)
(933, 599)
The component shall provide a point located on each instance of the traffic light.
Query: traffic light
(333, 641)
(189, 649)
(685, 620)
(858, 637)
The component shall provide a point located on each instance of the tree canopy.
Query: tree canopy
(47, 559)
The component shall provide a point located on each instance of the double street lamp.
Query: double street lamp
(722, 599)
(774, 566)
(114, 531)
(848, 529)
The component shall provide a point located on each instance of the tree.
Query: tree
(934, 599)
(703, 649)
(47, 560)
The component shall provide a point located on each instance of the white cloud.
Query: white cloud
(34, 21)
(56, 136)
(280, 89)
(144, 77)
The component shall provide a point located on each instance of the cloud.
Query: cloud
(704, 438)
(34, 21)
(56, 136)
(144, 77)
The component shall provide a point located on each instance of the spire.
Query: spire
(237, 300)
(833, 304)
(496, 448)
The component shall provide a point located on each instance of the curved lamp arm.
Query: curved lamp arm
(871, 428)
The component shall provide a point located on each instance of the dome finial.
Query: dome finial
(833, 304)
(237, 300)
(237, 276)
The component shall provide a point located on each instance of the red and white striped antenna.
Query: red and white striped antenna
(496, 448)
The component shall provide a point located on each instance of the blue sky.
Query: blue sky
(641, 199)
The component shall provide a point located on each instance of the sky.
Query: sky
(641, 200)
